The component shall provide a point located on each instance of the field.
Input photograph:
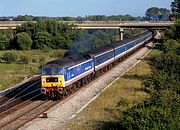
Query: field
(11, 74)
(124, 93)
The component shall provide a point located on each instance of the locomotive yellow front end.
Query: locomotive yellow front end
(52, 81)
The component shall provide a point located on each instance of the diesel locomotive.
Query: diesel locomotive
(62, 76)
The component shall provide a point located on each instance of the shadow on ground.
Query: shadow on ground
(112, 125)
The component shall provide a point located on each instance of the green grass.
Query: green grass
(11, 74)
(124, 93)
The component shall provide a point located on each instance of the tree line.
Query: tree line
(152, 14)
(44, 35)
(51, 34)
(79, 18)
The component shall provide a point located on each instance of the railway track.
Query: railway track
(19, 95)
(26, 114)
(17, 98)
(20, 112)
(15, 112)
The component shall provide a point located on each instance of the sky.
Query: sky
(75, 8)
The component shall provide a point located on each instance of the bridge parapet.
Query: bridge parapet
(100, 24)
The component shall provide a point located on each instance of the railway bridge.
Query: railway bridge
(120, 25)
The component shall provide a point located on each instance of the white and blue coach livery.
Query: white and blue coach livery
(60, 76)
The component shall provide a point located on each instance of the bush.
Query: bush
(58, 54)
(34, 59)
(9, 57)
(42, 60)
(3, 41)
(171, 46)
(145, 119)
(160, 111)
(24, 59)
(122, 102)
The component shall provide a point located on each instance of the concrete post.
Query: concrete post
(121, 32)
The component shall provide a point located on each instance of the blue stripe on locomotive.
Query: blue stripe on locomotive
(104, 57)
(77, 70)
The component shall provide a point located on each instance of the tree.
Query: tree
(175, 6)
(23, 18)
(155, 13)
(173, 32)
(3, 41)
(100, 38)
(177, 31)
(43, 40)
(28, 27)
(59, 41)
(24, 41)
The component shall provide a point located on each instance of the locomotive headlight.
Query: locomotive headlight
(43, 90)
(60, 90)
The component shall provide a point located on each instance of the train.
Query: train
(62, 76)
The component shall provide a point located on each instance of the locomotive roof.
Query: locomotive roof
(68, 61)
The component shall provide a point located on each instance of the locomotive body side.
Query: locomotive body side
(78, 71)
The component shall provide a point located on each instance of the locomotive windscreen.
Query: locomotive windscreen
(52, 71)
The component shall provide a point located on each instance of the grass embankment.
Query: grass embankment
(124, 93)
(11, 74)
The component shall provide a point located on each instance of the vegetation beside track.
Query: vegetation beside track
(123, 94)
(27, 63)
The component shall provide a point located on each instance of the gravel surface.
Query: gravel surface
(62, 113)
